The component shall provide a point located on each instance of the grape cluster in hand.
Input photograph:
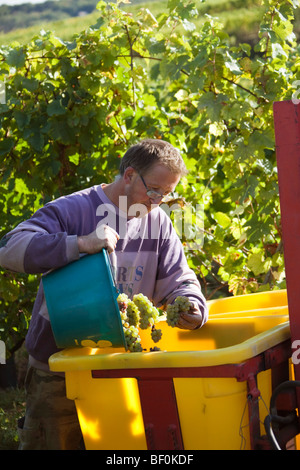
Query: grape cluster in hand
(181, 305)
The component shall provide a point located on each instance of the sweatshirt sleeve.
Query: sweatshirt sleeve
(174, 276)
(41, 243)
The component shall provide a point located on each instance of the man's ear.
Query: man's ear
(128, 174)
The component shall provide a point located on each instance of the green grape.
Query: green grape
(122, 302)
(139, 312)
(132, 338)
(136, 347)
(173, 314)
(181, 305)
(133, 313)
(156, 334)
(123, 316)
(148, 313)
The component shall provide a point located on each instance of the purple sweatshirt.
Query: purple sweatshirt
(150, 257)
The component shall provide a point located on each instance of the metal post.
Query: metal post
(287, 138)
(159, 408)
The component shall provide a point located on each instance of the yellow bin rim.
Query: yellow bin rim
(73, 359)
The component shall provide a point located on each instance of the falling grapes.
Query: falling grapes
(133, 339)
(148, 313)
(181, 305)
(141, 313)
(133, 313)
(130, 319)
(137, 313)
(122, 302)
(156, 334)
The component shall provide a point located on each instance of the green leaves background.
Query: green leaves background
(73, 108)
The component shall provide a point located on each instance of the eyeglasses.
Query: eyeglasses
(150, 193)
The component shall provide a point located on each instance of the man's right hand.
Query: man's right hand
(103, 237)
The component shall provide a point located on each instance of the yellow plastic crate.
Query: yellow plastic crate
(212, 410)
(272, 301)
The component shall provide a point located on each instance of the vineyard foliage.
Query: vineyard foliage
(73, 107)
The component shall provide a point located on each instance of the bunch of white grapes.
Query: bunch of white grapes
(139, 312)
(133, 314)
(148, 313)
(156, 334)
(122, 302)
(130, 318)
(181, 305)
(132, 338)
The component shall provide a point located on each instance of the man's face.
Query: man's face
(158, 179)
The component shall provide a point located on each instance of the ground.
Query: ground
(12, 406)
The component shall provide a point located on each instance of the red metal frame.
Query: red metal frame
(287, 138)
(158, 399)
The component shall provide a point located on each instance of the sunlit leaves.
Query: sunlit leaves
(16, 57)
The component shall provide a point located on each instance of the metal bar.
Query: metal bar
(253, 410)
(238, 371)
(160, 414)
(287, 139)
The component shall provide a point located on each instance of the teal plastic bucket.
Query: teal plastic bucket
(81, 298)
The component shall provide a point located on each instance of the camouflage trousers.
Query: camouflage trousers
(50, 421)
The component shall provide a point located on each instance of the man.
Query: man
(123, 216)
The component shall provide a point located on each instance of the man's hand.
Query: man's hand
(103, 237)
(190, 320)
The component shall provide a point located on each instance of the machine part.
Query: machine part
(287, 139)
(274, 420)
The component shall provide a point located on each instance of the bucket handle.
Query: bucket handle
(113, 266)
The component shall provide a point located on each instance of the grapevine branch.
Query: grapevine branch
(132, 55)
(245, 89)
